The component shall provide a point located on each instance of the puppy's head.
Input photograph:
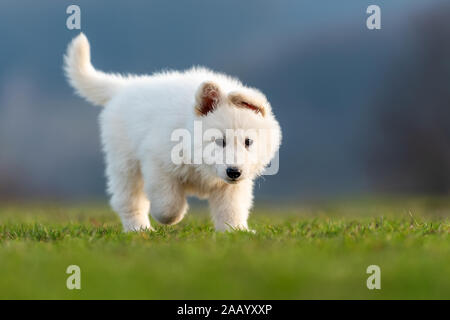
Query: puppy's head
(240, 132)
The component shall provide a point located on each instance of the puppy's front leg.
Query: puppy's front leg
(230, 206)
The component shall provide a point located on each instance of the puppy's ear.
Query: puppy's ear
(248, 102)
(207, 98)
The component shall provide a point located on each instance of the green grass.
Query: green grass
(297, 253)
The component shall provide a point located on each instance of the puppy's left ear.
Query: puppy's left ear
(207, 98)
(249, 101)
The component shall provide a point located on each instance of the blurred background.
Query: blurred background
(363, 112)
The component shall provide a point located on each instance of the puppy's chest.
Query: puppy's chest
(196, 190)
(195, 185)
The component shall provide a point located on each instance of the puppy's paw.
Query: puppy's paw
(228, 228)
(246, 230)
(136, 225)
(137, 228)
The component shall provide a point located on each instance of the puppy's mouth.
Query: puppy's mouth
(232, 181)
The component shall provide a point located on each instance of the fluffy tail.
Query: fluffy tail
(95, 86)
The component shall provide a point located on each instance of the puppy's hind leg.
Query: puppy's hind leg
(167, 197)
(128, 198)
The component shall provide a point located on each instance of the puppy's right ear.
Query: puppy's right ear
(207, 98)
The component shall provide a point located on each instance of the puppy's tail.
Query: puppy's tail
(95, 86)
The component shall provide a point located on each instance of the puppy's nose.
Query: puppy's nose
(233, 173)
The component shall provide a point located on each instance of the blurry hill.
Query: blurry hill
(356, 106)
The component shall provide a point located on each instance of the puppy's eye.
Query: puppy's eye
(221, 142)
(248, 142)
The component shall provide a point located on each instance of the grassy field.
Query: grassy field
(308, 252)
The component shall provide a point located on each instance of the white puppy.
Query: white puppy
(145, 163)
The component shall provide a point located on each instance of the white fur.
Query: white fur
(140, 114)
